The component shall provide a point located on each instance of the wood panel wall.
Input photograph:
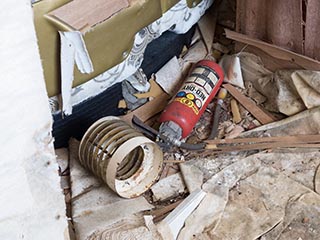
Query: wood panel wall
(291, 24)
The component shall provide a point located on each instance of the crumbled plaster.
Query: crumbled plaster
(31, 201)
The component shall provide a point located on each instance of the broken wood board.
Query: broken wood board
(236, 116)
(149, 109)
(247, 144)
(279, 139)
(92, 200)
(269, 62)
(196, 53)
(257, 112)
(275, 51)
(261, 146)
(160, 213)
(83, 15)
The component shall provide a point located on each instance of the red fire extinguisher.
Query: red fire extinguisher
(182, 114)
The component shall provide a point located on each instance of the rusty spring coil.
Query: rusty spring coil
(122, 157)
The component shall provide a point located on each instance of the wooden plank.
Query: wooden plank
(83, 14)
(262, 146)
(275, 51)
(295, 139)
(248, 104)
(271, 63)
(246, 144)
(149, 109)
(312, 43)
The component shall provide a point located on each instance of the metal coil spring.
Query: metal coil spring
(100, 143)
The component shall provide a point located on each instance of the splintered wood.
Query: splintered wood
(246, 144)
(275, 51)
(81, 15)
(257, 112)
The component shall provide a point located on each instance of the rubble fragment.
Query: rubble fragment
(168, 76)
(232, 68)
(192, 176)
(169, 187)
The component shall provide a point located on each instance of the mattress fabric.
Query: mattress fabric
(179, 19)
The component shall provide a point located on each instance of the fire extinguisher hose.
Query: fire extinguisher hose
(192, 147)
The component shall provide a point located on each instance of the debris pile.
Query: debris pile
(256, 177)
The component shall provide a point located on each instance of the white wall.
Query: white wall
(31, 202)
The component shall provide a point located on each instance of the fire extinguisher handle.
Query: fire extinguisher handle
(214, 130)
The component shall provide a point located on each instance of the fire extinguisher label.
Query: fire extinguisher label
(197, 88)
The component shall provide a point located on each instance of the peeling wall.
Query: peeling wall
(31, 201)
